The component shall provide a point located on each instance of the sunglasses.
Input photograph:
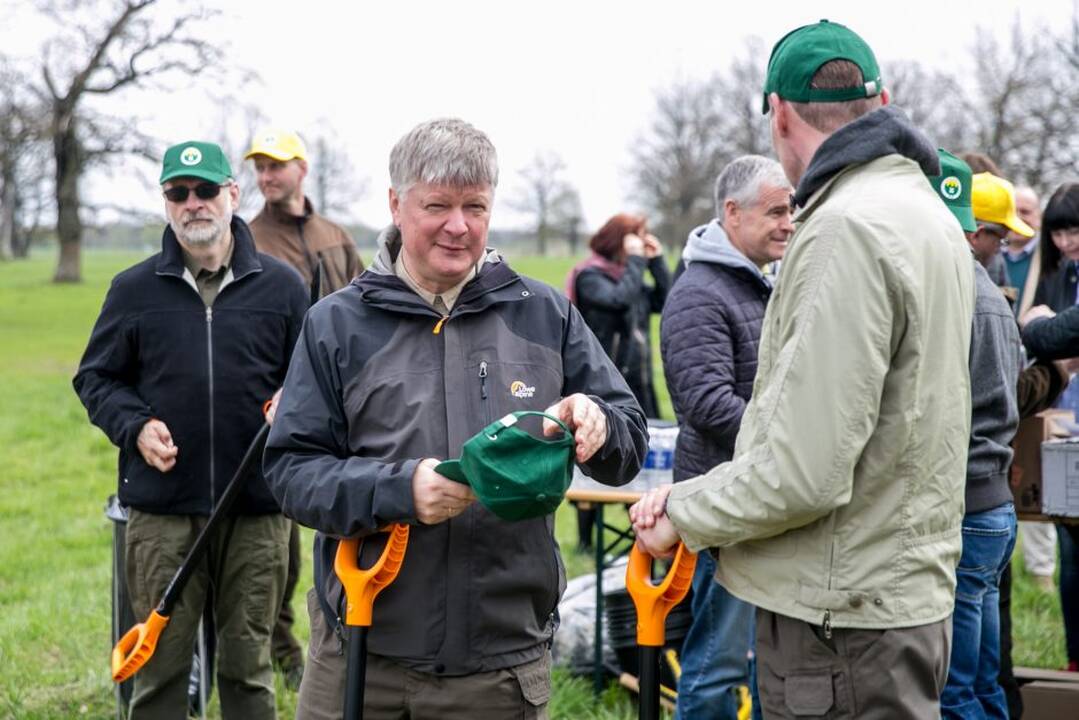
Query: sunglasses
(203, 191)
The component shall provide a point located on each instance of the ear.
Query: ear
(885, 97)
(731, 214)
(780, 113)
(395, 207)
(234, 195)
(302, 164)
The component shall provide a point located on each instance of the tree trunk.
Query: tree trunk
(7, 215)
(68, 157)
(541, 239)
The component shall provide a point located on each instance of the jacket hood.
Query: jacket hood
(884, 131)
(389, 245)
(709, 243)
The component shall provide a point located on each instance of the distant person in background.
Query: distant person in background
(288, 226)
(1058, 338)
(709, 335)
(1022, 257)
(994, 212)
(992, 262)
(289, 229)
(988, 531)
(610, 290)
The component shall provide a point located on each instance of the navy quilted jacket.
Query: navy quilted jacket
(709, 334)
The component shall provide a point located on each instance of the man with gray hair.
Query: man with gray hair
(435, 341)
(709, 335)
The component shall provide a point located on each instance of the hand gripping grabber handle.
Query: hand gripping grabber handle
(653, 602)
(137, 645)
(361, 588)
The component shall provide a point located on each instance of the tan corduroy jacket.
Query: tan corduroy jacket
(844, 500)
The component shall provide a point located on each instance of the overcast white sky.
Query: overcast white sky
(577, 77)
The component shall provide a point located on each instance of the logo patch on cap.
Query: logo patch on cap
(519, 390)
(191, 156)
(950, 187)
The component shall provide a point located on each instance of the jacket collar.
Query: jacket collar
(281, 217)
(244, 256)
(884, 131)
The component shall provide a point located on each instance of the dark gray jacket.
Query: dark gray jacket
(375, 385)
(995, 358)
(708, 339)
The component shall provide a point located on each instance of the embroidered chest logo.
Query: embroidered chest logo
(519, 390)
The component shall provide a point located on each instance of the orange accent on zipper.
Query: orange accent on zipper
(439, 324)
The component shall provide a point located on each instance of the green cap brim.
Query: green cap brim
(194, 172)
(453, 470)
(965, 216)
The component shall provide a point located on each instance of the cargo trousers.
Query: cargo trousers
(395, 692)
(804, 671)
(244, 569)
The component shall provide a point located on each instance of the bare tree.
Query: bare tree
(103, 49)
(546, 196)
(23, 169)
(677, 159)
(935, 102)
(1027, 107)
(698, 127)
(336, 187)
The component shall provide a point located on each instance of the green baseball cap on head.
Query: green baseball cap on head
(800, 53)
(953, 186)
(515, 475)
(196, 159)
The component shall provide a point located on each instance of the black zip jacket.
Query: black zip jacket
(380, 381)
(156, 351)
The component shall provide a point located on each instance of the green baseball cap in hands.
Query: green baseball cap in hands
(515, 475)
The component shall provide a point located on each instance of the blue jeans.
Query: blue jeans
(972, 690)
(715, 650)
(1068, 540)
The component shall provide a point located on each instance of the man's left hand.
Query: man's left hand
(584, 418)
(271, 411)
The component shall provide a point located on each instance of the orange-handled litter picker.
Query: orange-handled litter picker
(138, 644)
(361, 588)
(653, 602)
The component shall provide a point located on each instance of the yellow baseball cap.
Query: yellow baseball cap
(279, 144)
(993, 200)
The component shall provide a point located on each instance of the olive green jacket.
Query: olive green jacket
(844, 499)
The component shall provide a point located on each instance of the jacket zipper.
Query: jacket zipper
(210, 371)
(827, 624)
(483, 392)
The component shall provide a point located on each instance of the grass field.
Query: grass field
(56, 471)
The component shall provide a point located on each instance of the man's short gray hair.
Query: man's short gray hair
(741, 180)
(446, 151)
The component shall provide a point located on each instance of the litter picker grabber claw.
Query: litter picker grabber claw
(653, 602)
(361, 588)
(138, 644)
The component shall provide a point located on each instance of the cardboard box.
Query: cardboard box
(1026, 473)
(1048, 700)
(1060, 478)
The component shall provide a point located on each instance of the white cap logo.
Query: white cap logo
(191, 156)
(951, 188)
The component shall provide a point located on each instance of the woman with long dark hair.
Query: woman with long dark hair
(1056, 338)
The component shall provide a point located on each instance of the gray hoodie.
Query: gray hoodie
(709, 243)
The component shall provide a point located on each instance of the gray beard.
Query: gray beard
(202, 234)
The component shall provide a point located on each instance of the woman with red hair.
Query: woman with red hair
(610, 291)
